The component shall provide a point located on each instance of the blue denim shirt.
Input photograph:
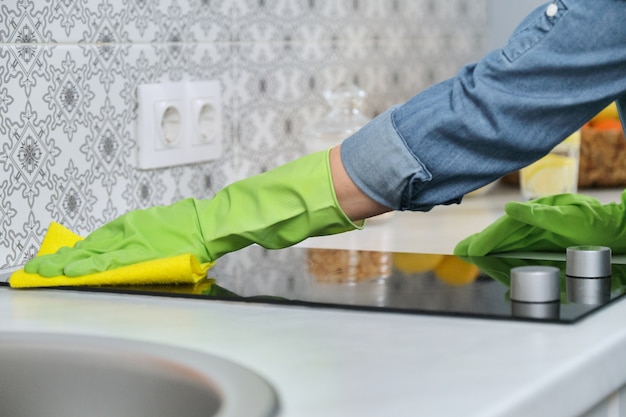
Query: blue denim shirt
(559, 68)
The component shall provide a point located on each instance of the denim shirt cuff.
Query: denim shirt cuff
(380, 163)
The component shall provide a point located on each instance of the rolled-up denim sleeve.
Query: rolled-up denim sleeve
(498, 114)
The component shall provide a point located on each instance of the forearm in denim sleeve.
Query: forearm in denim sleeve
(497, 115)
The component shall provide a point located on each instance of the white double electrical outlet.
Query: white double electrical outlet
(179, 123)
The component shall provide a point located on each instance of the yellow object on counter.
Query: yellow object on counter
(555, 173)
(610, 112)
(181, 269)
(412, 263)
(455, 271)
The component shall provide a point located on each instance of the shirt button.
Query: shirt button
(552, 10)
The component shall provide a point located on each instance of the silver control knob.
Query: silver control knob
(535, 284)
(588, 262)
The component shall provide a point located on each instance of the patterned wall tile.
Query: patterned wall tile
(69, 71)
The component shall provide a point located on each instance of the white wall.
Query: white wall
(69, 71)
(504, 16)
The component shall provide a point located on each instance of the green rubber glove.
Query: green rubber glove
(551, 223)
(275, 209)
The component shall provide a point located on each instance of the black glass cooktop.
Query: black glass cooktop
(408, 283)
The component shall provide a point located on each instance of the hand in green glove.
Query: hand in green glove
(275, 209)
(551, 223)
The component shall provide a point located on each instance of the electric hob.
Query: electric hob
(410, 283)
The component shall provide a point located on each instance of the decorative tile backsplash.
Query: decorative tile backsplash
(70, 69)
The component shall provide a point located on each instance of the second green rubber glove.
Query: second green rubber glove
(275, 209)
(551, 223)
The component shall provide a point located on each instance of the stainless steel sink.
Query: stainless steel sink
(56, 375)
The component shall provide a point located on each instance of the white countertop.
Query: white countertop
(348, 363)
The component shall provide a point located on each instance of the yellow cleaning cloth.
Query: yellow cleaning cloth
(181, 269)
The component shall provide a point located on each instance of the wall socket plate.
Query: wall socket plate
(179, 123)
